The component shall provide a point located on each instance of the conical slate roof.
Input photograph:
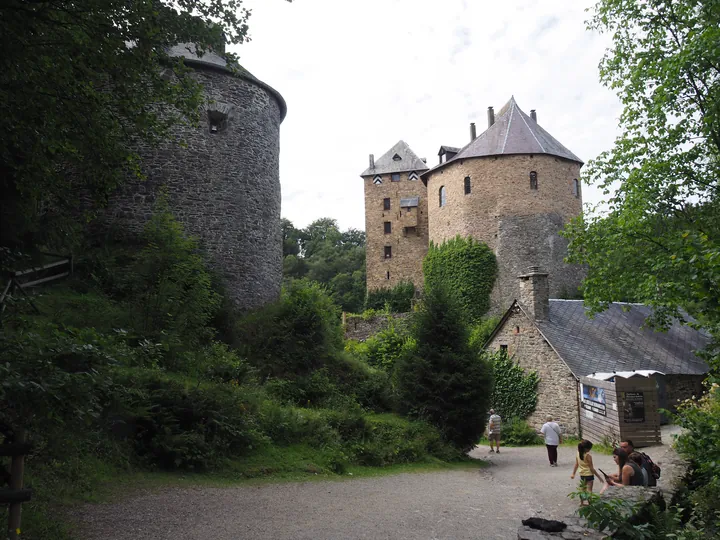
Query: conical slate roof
(513, 132)
(389, 162)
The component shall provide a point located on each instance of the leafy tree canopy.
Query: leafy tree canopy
(81, 84)
(657, 240)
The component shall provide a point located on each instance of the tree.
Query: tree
(467, 268)
(443, 379)
(82, 84)
(657, 240)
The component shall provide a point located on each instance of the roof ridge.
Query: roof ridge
(531, 132)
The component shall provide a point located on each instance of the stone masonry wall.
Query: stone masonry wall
(408, 248)
(360, 329)
(682, 387)
(557, 391)
(224, 187)
(519, 224)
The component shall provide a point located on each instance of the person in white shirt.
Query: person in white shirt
(553, 438)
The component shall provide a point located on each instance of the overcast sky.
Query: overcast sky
(359, 76)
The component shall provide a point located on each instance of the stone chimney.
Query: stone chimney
(491, 116)
(533, 114)
(535, 293)
(372, 161)
(473, 133)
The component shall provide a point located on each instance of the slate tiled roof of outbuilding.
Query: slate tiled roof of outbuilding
(513, 132)
(615, 340)
(408, 161)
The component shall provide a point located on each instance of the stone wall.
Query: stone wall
(223, 186)
(409, 246)
(519, 224)
(681, 387)
(558, 390)
(360, 329)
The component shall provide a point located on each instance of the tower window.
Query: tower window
(533, 180)
(467, 185)
(386, 204)
(441, 194)
(387, 274)
(576, 188)
(388, 252)
(503, 349)
(388, 227)
(395, 177)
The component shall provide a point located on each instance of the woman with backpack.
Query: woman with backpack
(584, 464)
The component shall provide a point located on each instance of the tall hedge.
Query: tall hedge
(399, 298)
(467, 268)
(515, 391)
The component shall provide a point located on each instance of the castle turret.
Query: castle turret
(513, 187)
(395, 218)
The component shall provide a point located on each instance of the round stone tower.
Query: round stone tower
(514, 187)
(222, 179)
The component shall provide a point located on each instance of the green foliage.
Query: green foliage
(515, 391)
(517, 432)
(465, 267)
(481, 331)
(385, 348)
(441, 379)
(656, 238)
(322, 253)
(612, 515)
(74, 97)
(398, 299)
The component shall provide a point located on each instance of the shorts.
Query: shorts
(494, 437)
(590, 478)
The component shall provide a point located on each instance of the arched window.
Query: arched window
(533, 180)
(467, 185)
(441, 194)
(576, 188)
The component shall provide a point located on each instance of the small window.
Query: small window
(386, 204)
(467, 185)
(441, 194)
(387, 274)
(517, 329)
(395, 177)
(503, 349)
(396, 157)
(410, 230)
(388, 227)
(576, 188)
(388, 252)
(533, 180)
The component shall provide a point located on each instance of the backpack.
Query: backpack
(653, 468)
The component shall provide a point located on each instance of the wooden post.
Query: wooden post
(17, 469)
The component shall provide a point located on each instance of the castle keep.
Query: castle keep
(513, 187)
(222, 179)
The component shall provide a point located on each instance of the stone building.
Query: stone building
(558, 340)
(222, 179)
(396, 225)
(513, 187)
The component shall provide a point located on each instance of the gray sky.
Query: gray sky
(359, 76)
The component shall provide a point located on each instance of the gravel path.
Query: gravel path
(483, 504)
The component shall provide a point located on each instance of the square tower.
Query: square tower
(396, 218)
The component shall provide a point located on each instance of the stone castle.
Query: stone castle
(222, 179)
(513, 187)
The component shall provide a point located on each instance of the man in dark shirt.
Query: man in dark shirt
(628, 446)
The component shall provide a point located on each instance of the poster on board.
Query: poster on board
(633, 407)
(593, 399)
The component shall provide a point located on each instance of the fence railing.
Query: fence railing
(37, 275)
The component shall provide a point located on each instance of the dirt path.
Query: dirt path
(483, 504)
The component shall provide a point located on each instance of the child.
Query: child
(584, 462)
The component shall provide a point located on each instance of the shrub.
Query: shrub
(516, 431)
(398, 299)
(515, 391)
(441, 379)
(383, 349)
(467, 268)
(481, 331)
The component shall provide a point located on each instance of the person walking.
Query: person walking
(494, 431)
(553, 437)
(584, 465)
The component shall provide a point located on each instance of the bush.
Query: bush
(383, 349)
(515, 391)
(467, 268)
(481, 332)
(517, 432)
(441, 379)
(398, 299)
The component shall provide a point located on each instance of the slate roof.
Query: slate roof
(451, 149)
(408, 162)
(614, 340)
(513, 132)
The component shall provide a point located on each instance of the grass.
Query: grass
(93, 480)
